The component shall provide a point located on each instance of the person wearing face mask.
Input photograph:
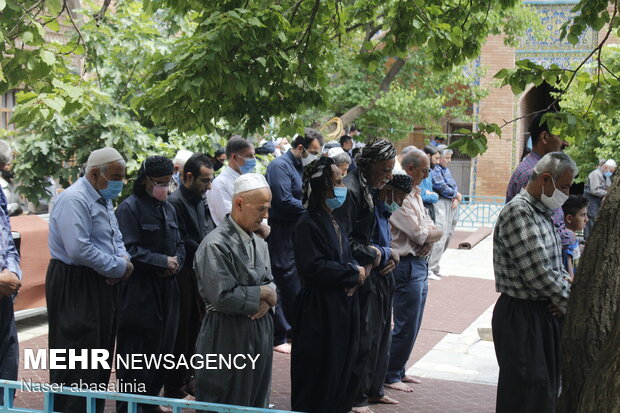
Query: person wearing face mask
(148, 310)
(374, 169)
(88, 259)
(532, 280)
(326, 334)
(413, 234)
(388, 200)
(194, 225)
(284, 175)
(595, 191)
(543, 142)
(241, 160)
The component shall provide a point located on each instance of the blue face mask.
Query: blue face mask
(393, 207)
(340, 194)
(250, 164)
(113, 190)
(608, 174)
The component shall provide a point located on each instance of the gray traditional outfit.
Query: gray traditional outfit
(231, 265)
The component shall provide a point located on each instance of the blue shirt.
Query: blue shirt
(427, 185)
(9, 258)
(381, 236)
(443, 182)
(84, 231)
(284, 177)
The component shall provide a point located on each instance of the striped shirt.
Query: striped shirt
(527, 254)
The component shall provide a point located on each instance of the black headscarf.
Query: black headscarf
(317, 179)
(376, 151)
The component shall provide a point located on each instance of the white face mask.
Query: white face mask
(286, 147)
(311, 157)
(554, 201)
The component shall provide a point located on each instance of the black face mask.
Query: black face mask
(217, 165)
(8, 175)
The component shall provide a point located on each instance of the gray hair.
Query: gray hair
(102, 168)
(407, 149)
(342, 158)
(555, 163)
(413, 157)
(6, 153)
(444, 151)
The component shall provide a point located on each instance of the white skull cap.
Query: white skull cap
(249, 182)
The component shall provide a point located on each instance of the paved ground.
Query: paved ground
(458, 369)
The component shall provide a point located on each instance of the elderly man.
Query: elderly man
(413, 234)
(529, 274)
(595, 191)
(88, 259)
(357, 215)
(10, 282)
(194, 225)
(234, 278)
(241, 160)
(543, 142)
(284, 176)
(446, 209)
(178, 163)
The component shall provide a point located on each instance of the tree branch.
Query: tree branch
(101, 13)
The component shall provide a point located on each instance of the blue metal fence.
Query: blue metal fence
(9, 387)
(479, 211)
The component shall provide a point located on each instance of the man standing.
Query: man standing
(178, 162)
(234, 279)
(241, 160)
(88, 259)
(194, 225)
(10, 282)
(346, 143)
(413, 234)
(543, 142)
(595, 191)
(357, 215)
(529, 274)
(284, 176)
(446, 209)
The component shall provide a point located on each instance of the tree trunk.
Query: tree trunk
(356, 111)
(591, 334)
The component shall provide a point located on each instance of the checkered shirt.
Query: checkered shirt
(527, 254)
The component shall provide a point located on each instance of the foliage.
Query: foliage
(93, 111)
(247, 61)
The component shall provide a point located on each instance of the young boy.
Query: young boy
(575, 217)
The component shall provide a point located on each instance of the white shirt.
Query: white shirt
(219, 197)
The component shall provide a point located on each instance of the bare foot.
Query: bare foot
(190, 398)
(399, 385)
(362, 409)
(411, 379)
(283, 348)
(383, 400)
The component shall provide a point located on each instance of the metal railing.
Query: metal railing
(479, 211)
(9, 387)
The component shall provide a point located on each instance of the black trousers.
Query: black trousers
(148, 318)
(191, 312)
(527, 344)
(9, 348)
(285, 277)
(81, 315)
(375, 298)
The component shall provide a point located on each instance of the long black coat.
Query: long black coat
(327, 320)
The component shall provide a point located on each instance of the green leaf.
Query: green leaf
(53, 25)
(47, 57)
(54, 103)
(2, 4)
(262, 61)
(27, 37)
(54, 6)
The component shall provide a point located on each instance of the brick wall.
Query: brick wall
(494, 167)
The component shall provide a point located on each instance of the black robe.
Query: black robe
(148, 312)
(327, 320)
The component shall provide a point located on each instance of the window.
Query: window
(7, 103)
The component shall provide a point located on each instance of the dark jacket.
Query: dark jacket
(194, 221)
(284, 176)
(358, 219)
(150, 233)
